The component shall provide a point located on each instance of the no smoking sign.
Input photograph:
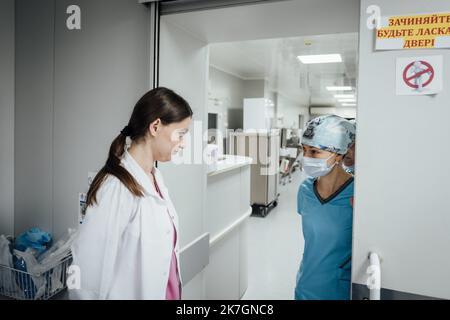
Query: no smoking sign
(419, 75)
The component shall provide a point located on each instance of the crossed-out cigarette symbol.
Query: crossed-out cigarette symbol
(414, 73)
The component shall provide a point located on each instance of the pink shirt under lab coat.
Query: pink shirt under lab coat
(173, 291)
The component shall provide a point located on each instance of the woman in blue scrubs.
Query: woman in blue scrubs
(325, 204)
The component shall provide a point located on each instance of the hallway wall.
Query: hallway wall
(7, 116)
(75, 90)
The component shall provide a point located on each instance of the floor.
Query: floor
(275, 248)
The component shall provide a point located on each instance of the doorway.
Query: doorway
(197, 51)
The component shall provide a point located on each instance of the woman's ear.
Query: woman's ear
(340, 158)
(155, 127)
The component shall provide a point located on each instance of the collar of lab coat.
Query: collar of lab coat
(143, 179)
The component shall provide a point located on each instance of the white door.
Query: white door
(402, 170)
(183, 67)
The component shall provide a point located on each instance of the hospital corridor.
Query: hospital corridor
(243, 156)
(275, 249)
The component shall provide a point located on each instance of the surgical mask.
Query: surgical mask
(317, 167)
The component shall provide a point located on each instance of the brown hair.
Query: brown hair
(159, 103)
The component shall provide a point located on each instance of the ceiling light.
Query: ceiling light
(343, 88)
(320, 58)
(349, 104)
(344, 96)
(347, 100)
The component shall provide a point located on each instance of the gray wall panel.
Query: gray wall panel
(7, 117)
(75, 92)
(33, 114)
(101, 71)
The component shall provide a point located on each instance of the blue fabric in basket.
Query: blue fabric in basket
(37, 240)
(34, 238)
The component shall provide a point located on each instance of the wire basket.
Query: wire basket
(22, 285)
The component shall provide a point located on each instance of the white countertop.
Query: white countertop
(230, 162)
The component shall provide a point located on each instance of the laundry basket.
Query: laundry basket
(22, 285)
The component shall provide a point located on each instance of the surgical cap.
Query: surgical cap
(330, 133)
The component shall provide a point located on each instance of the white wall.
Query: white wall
(253, 88)
(7, 117)
(231, 89)
(227, 88)
(290, 110)
(225, 91)
(228, 91)
(402, 168)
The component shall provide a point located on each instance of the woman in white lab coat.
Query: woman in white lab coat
(127, 246)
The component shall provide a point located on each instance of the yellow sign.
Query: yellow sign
(414, 32)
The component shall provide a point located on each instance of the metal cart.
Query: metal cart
(21, 285)
(263, 148)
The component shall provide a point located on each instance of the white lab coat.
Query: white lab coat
(124, 246)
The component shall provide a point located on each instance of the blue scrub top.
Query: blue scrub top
(325, 269)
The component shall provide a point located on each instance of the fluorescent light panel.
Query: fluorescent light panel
(343, 88)
(344, 96)
(349, 104)
(347, 100)
(320, 58)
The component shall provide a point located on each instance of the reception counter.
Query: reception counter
(228, 209)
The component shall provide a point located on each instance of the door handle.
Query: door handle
(374, 279)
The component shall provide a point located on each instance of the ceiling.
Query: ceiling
(262, 41)
(275, 60)
(288, 18)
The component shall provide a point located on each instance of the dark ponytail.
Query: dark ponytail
(159, 103)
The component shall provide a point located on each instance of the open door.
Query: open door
(183, 67)
(401, 188)
(184, 38)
